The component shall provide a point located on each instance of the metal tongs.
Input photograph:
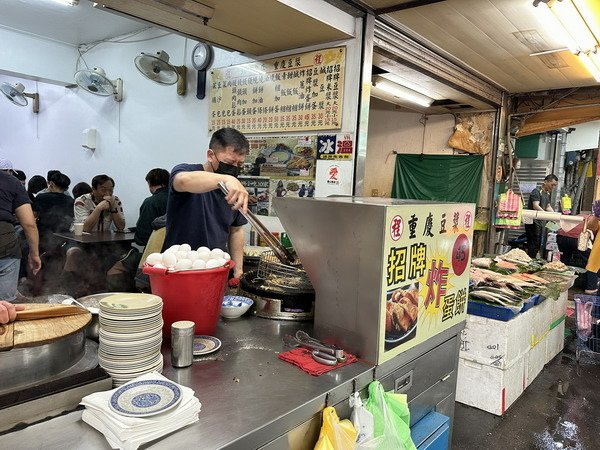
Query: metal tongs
(321, 352)
(282, 253)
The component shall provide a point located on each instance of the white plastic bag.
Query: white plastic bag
(362, 420)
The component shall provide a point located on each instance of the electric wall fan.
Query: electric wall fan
(17, 95)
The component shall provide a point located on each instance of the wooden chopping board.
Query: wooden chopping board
(30, 333)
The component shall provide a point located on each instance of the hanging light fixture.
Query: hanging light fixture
(577, 26)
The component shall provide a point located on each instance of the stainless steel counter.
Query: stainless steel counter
(249, 397)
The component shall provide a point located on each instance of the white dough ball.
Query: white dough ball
(221, 261)
(182, 254)
(205, 255)
(226, 256)
(169, 259)
(174, 248)
(154, 258)
(193, 255)
(160, 266)
(203, 249)
(216, 253)
(212, 264)
(185, 248)
(183, 264)
(199, 264)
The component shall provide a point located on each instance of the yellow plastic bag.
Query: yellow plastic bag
(335, 434)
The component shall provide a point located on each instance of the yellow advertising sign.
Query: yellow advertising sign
(427, 253)
(293, 93)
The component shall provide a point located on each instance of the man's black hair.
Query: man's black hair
(60, 180)
(229, 137)
(158, 177)
(101, 179)
(551, 177)
(80, 189)
(20, 175)
(50, 173)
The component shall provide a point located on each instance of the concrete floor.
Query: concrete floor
(559, 410)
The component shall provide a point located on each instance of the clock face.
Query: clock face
(201, 56)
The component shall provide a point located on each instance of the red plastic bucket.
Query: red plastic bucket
(194, 295)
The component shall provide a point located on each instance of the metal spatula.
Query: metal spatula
(282, 253)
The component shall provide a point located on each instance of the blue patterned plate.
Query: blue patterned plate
(203, 345)
(145, 398)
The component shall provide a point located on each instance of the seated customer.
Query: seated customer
(54, 212)
(100, 209)
(85, 270)
(121, 275)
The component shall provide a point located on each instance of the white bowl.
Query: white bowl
(235, 306)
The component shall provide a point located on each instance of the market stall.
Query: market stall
(515, 325)
(390, 280)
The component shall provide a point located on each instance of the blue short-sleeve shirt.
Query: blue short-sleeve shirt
(199, 219)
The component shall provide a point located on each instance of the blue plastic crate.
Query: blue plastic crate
(528, 304)
(490, 311)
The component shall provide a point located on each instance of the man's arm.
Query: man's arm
(116, 213)
(25, 215)
(236, 249)
(199, 182)
(536, 206)
(92, 220)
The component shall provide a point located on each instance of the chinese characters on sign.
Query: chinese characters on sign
(426, 259)
(292, 93)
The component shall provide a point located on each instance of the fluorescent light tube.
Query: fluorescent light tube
(403, 93)
(409, 84)
(550, 22)
(568, 15)
(590, 16)
(589, 65)
(68, 2)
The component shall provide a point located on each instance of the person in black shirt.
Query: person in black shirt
(120, 277)
(539, 200)
(54, 212)
(15, 201)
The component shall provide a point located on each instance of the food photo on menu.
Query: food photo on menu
(401, 315)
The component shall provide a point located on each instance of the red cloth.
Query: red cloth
(302, 357)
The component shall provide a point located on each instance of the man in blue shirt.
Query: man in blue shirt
(198, 213)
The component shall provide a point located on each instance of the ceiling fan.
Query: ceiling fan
(96, 82)
(156, 67)
(16, 94)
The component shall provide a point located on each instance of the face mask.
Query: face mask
(226, 169)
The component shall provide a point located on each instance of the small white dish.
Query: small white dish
(235, 306)
(203, 345)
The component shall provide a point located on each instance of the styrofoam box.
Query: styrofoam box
(559, 307)
(489, 388)
(555, 341)
(541, 321)
(535, 360)
(496, 343)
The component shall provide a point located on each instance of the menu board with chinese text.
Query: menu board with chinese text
(293, 93)
(426, 259)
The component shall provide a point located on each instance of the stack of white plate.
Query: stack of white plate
(130, 336)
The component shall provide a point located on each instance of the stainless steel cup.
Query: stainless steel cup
(182, 343)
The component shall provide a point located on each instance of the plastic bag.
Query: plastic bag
(362, 420)
(391, 419)
(335, 434)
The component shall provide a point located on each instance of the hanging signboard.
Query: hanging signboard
(293, 93)
(426, 256)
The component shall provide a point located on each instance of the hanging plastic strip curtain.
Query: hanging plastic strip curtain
(445, 178)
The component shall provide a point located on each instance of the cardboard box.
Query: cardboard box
(535, 360)
(555, 340)
(496, 343)
(489, 388)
